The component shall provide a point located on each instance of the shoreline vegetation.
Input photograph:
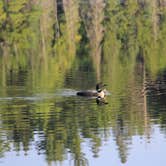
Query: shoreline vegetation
(42, 42)
(33, 33)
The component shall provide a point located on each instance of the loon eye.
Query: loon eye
(99, 86)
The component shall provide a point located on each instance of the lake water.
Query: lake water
(50, 50)
(56, 127)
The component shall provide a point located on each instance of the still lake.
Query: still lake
(56, 127)
(50, 50)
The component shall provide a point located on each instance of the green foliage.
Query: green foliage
(30, 44)
(2, 14)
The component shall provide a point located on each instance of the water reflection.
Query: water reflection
(61, 121)
(47, 56)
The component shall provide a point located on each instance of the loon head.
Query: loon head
(100, 86)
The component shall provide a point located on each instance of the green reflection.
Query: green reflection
(48, 46)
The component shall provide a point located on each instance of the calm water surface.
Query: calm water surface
(55, 127)
(51, 49)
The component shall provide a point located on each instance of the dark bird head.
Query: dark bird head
(100, 86)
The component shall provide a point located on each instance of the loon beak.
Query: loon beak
(104, 85)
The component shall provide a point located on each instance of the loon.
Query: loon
(99, 93)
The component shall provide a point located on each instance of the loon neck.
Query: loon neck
(100, 94)
(99, 90)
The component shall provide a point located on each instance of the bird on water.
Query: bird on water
(100, 93)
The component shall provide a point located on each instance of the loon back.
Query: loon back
(87, 93)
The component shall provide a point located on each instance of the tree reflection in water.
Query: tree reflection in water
(57, 45)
